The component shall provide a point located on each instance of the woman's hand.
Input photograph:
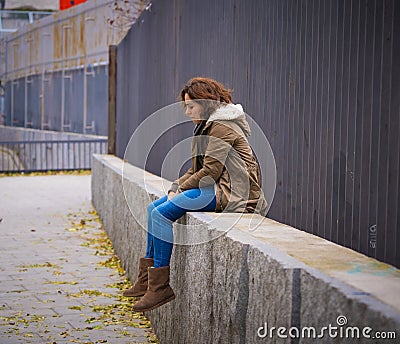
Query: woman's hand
(171, 194)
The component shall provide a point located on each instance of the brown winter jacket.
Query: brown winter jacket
(221, 155)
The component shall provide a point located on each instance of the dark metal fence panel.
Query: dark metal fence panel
(97, 95)
(52, 101)
(53, 155)
(62, 101)
(321, 77)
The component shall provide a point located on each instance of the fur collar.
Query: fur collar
(227, 112)
(231, 112)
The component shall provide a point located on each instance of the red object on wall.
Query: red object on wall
(64, 4)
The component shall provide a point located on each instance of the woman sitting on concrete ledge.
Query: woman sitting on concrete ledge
(224, 176)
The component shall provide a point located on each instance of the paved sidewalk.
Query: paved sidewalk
(59, 280)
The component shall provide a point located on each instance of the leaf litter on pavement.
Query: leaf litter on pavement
(98, 309)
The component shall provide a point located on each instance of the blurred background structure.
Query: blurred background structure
(54, 80)
(40, 5)
(55, 71)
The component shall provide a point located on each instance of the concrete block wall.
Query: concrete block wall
(236, 287)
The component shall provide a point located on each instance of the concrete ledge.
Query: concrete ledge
(229, 288)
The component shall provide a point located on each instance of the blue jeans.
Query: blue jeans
(163, 212)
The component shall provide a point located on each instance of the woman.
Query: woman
(224, 176)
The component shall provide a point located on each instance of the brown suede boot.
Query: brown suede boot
(159, 291)
(140, 286)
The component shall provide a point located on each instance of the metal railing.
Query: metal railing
(51, 155)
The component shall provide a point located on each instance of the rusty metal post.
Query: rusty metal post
(112, 99)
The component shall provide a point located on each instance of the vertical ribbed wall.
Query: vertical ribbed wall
(322, 78)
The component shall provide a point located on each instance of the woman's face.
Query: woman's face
(193, 110)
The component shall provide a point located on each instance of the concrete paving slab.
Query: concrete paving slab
(53, 286)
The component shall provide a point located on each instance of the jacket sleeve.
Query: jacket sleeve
(175, 185)
(220, 142)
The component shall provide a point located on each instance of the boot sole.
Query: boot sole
(135, 295)
(155, 306)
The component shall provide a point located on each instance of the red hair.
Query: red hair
(206, 88)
